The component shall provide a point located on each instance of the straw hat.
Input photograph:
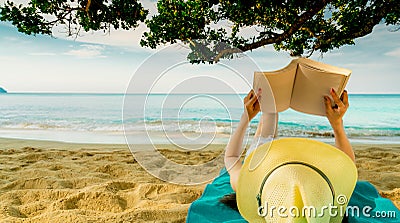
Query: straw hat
(295, 180)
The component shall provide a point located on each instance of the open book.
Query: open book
(301, 86)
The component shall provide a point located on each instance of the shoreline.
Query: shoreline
(44, 143)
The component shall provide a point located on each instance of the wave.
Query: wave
(55, 126)
(289, 129)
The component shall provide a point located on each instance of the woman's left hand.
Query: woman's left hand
(251, 104)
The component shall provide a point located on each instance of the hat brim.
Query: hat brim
(337, 167)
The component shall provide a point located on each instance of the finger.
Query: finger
(257, 106)
(259, 91)
(258, 96)
(251, 94)
(336, 98)
(254, 99)
(328, 104)
(245, 99)
(248, 96)
(345, 98)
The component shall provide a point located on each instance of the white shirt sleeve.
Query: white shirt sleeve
(258, 141)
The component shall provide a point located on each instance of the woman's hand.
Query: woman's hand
(234, 149)
(251, 104)
(336, 113)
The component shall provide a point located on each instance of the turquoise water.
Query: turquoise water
(98, 118)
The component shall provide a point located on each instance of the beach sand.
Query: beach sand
(44, 181)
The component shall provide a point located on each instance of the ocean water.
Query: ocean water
(179, 118)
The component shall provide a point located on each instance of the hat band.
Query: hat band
(259, 195)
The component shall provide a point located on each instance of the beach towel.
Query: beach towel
(377, 208)
(208, 209)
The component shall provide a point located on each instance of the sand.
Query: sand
(62, 182)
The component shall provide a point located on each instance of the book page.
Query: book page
(311, 84)
(281, 84)
(323, 67)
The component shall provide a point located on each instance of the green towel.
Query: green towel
(366, 197)
(208, 208)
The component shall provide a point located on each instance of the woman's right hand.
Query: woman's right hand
(251, 104)
(335, 114)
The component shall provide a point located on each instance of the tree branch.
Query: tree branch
(296, 26)
(88, 5)
(87, 9)
(368, 27)
(226, 51)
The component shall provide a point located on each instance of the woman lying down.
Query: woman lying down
(290, 179)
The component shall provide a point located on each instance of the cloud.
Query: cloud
(10, 38)
(42, 54)
(128, 39)
(394, 53)
(87, 51)
(367, 65)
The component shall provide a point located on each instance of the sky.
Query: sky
(106, 63)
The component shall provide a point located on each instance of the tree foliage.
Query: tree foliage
(40, 16)
(300, 27)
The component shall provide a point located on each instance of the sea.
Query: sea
(178, 118)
